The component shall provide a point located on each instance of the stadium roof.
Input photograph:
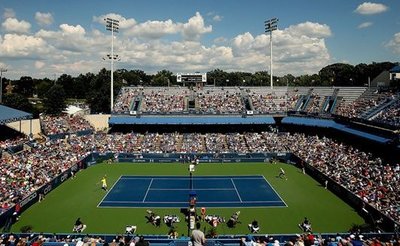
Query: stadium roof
(334, 125)
(396, 69)
(8, 114)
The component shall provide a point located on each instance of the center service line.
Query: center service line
(148, 188)
(237, 192)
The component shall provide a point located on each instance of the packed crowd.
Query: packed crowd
(231, 100)
(359, 172)
(28, 170)
(373, 181)
(315, 104)
(308, 239)
(78, 240)
(153, 100)
(363, 104)
(63, 124)
(220, 102)
(305, 239)
(8, 143)
(272, 102)
(124, 99)
(164, 100)
(390, 115)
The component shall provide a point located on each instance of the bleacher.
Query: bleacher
(295, 95)
(223, 100)
(266, 100)
(164, 100)
(325, 102)
(389, 114)
(388, 102)
(350, 94)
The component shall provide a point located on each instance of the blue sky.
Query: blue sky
(46, 38)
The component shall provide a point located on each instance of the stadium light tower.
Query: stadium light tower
(2, 70)
(270, 26)
(113, 26)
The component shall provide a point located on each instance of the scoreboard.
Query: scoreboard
(191, 77)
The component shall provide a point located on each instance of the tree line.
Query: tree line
(94, 89)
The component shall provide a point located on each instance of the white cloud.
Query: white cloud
(194, 28)
(220, 40)
(243, 41)
(3, 65)
(365, 25)
(72, 49)
(297, 49)
(394, 43)
(217, 18)
(14, 25)
(368, 8)
(39, 64)
(20, 46)
(8, 13)
(73, 39)
(154, 29)
(72, 30)
(75, 67)
(310, 29)
(44, 19)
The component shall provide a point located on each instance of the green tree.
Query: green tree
(162, 78)
(98, 92)
(338, 74)
(67, 82)
(17, 101)
(42, 87)
(24, 86)
(81, 84)
(54, 101)
(261, 78)
(218, 76)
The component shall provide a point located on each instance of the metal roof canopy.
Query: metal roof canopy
(8, 115)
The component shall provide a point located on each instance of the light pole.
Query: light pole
(113, 26)
(287, 94)
(270, 26)
(2, 70)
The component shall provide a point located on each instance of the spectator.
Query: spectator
(142, 242)
(198, 238)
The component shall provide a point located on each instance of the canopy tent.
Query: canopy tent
(73, 110)
(8, 115)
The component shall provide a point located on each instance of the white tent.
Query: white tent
(74, 110)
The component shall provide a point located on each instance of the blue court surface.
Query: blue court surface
(173, 192)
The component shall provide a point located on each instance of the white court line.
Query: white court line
(197, 177)
(276, 192)
(237, 192)
(148, 188)
(183, 177)
(185, 202)
(194, 189)
(158, 207)
(108, 191)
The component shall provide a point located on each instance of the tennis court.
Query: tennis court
(173, 192)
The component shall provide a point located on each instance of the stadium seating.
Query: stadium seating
(334, 159)
(351, 102)
(378, 185)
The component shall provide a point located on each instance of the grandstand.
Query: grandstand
(223, 125)
(237, 100)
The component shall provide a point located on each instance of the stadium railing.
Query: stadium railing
(50, 239)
